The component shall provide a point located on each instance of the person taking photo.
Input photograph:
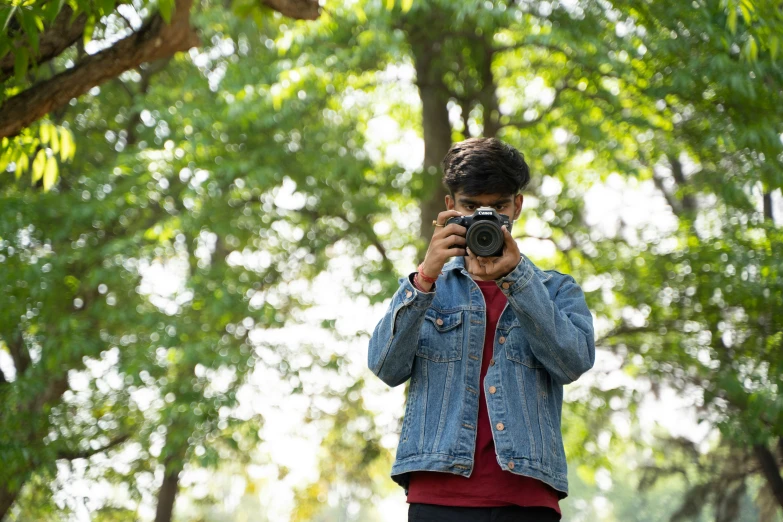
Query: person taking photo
(488, 340)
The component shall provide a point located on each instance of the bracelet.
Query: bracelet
(425, 277)
(417, 285)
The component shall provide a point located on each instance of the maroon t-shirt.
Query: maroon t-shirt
(488, 485)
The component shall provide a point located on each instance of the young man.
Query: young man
(488, 344)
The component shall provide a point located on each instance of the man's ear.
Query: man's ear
(449, 202)
(517, 205)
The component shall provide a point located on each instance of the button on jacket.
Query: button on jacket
(544, 340)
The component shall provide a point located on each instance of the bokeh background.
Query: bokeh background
(205, 206)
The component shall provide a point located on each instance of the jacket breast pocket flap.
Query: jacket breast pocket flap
(441, 336)
(518, 347)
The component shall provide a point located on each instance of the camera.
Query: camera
(484, 236)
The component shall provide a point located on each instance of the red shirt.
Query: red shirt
(488, 485)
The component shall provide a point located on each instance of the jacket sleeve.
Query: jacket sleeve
(560, 331)
(395, 339)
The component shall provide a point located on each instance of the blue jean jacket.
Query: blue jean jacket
(544, 340)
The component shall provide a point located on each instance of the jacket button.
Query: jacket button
(439, 322)
(492, 362)
(408, 293)
(511, 464)
(499, 426)
(505, 285)
(492, 389)
(502, 340)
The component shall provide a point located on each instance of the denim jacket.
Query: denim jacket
(544, 340)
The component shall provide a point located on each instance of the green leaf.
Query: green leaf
(745, 14)
(773, 47)
(39, 164)
(21, 59)
(166, 9)
(406, 5)
(89, 29)
(732, 21)
(50, 173)
(390, 4)
(751, 49)
(51, 10)
(54, 142)
(29, 22)
(22, 164)
(66, 144)
(107, 6)
(7, 16)
(6, 158)
(44, 132)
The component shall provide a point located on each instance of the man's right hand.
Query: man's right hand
(440, 249)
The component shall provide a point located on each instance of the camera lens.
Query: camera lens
(485, 238)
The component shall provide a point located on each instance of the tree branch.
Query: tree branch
(299, 9)
(770, 469)
(85, 454)
(688, 202)
(670, 199)
(768, 206)
(52, 42)
(19, 353)
(155, 40)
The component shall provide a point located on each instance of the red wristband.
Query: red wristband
(417, 285)
(425, 277)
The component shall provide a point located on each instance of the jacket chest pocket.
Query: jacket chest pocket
(441, 336)
(518, 347)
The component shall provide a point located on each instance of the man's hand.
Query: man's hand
(443, 239)
(489, 268)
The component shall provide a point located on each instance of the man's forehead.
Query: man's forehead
(485, 199)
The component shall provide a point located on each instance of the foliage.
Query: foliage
(248, 167)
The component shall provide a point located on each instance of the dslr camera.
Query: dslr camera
(484, 236)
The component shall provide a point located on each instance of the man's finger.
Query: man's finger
(507, 236)
(445, 215)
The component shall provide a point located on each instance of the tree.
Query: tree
(54, 33)
(249, 167)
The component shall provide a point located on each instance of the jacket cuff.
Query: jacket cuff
(518, 278)
(412, 296)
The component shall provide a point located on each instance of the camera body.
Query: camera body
(484, 236)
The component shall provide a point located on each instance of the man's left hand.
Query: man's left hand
(489, 268)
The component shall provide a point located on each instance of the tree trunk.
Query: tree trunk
(435, 124)
(7, 499)
(771, 470)
(168, 490)
(768, 206)
(488, 94)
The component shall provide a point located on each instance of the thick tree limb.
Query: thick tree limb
(19, 353)
(670, 199)
(299, 9)
(768, 206)
(688, 201)
(771, 470)
(488, 94)
(172, 466)
(155, 40)
(52, 42)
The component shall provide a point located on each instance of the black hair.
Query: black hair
(484, 166)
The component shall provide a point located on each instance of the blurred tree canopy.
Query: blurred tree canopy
(247, 165)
